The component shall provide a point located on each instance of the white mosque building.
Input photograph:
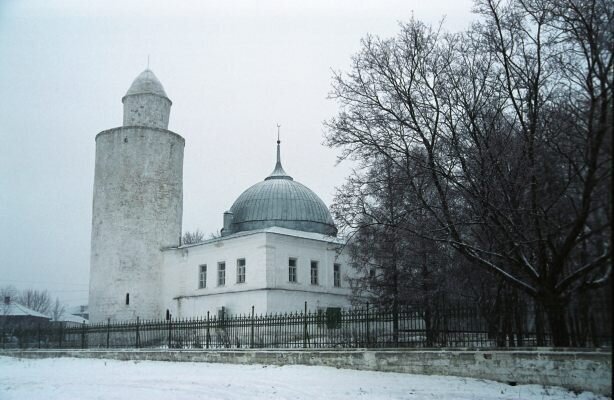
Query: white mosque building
(278, 247)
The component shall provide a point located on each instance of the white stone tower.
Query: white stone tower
(137, 207)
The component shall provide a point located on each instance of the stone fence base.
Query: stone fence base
(574, 369)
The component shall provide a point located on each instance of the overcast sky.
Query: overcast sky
(233, 70)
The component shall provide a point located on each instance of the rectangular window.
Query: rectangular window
(292, 270)
(241, 270)
(202, 277)
(221, 273)
(337, 275)
(314, 272)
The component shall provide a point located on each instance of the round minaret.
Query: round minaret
(137, 207)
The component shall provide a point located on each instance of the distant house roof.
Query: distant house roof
(14, 309)
(75, 310)
(71, 318)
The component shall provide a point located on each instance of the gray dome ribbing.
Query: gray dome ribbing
(281, 201)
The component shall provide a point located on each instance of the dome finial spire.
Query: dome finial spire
(278, 126)
(278, 172)
(278, 147)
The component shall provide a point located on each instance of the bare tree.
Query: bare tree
(37, 300)
(58, 310)
(509, 126)
(193, 237)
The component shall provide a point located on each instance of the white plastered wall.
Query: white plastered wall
(266, 285)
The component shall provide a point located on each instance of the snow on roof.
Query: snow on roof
(275, 229)
(71, 318)
(15, 309)
(77, 309)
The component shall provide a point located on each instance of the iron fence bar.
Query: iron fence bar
(137, 344)
(83, 335)
(208, 336)
(251, 338)
(170, 332)
(305, 327)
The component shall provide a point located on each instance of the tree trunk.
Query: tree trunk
(555, 312)
(539, 323)
(428, 326)
(395, 322)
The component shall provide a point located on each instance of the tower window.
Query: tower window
(337, 275)
(202, 277)
(314, 272)
(241, 270)
(292, 270)
(221, 273)
(127, 299)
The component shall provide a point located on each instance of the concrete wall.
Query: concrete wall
(137, 210)
(577, 370)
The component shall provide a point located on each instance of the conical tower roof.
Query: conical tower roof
(146, 83)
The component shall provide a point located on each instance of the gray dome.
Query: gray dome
(281, 201)
(146, 83)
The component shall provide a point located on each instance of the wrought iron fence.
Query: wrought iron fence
(417, 326)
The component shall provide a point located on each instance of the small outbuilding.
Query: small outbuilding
(13, 314)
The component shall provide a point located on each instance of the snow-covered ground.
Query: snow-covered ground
(84, 379)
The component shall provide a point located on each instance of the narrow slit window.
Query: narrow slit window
(127, 299)
(337, 275)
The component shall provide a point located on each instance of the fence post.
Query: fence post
(39, 335)
(251, 336)
(138, 344)
(83, 335)
(208, 337)
(108, 331)
(170, 332)
(61, 335)
(305, 327)
(367, 319)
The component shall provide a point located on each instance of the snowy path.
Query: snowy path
(85, 379)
